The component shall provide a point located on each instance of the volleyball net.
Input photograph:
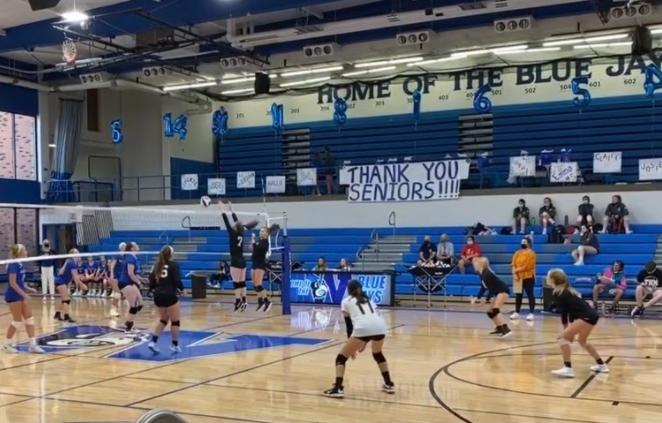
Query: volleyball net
(197, 234)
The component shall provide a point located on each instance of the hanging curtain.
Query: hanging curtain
(67, 141)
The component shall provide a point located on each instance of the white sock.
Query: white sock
(33, 342)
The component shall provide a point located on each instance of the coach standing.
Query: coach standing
(47, 271)
(524, 277)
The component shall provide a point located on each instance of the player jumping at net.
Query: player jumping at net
(583, 319)
(363, 325)
(497, 290)
(68, 273)
(129, 283)
(18, 299)
(116, 270)
(165, 280)
(259, 265)
(237, 262)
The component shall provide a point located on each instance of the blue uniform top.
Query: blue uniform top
(16, 269)
(119, 266)
(66, 276)
(104, 269)
(90, 268)
(47, 262)
(124, 277)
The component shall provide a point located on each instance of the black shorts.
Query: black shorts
(372, 338)
(591, 319)
(165, 300)
(502, 289)
(238, 262)
(259, 265)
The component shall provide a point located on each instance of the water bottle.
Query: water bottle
(533, 221)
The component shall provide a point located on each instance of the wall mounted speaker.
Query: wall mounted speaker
(42, 4)
(642, 41)
(262, 83)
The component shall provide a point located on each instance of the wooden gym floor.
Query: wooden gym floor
(446, 367)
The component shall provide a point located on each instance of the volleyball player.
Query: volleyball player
(583, 319)
(116, 268)
(68, 273)
(129, 284)
(496, 289)
(237, 262)
(18, 299)
(165, 280)
(363, 326)
(259, 265)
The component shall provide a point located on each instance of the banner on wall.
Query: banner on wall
(190, 182)
(563, 172)
(405, 181)
(650, 169)
(608, 162)
(246, 180)
(307, 177)
(275, 185)
(216, 186)
(525, 84)
(522, 166)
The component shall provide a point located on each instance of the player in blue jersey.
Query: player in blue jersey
(18, 299)
(68, 273)
(104, 277)
(116, 268)
(129, 284)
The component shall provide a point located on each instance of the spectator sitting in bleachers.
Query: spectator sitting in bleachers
(617, 214)
(321, 265)
(520, 217)
(589, 245)
(427, 254)
(613, 281)
(650, 283)
(222, 275)
(547, 214)
(344, 266)
(470, 251)
(445, 251)
(585, 216)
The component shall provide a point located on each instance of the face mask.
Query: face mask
(470, 242)
(427, 242)
(524, 246)
(521, 206)
(585, 201)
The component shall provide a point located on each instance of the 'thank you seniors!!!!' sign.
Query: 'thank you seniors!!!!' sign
(406, 181)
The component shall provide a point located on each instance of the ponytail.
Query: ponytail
(355, 289)
(273, 228)
(164, 257)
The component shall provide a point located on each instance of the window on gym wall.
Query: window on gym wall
(18, 226)
(17, 147)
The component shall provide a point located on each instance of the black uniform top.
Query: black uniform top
(651, 280)
(260, 250)
(491, 283)
(590, 240)
(520, 212)
(170, 281)
(570, 305)
(617, 210)
(585, 209)
(550, 210)
(236, 239)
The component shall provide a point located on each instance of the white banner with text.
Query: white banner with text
(190, 182)
(275, 185)
(246, 180)
(216, 186)
(650, 169)
(608, 162)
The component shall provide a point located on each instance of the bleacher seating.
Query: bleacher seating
(309, 244)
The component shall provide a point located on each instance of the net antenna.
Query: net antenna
(280, 242)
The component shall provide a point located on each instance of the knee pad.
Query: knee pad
(562, 342)
(493, 313)
(66, 301)
(164, 322)
(117, 295)
(29, 321)
(259, 289)
(239, 285)
(133, 310)
(379, 358)
(17, 325)
(341, 360)
(176, 323)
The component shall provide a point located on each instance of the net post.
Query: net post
(287, 270)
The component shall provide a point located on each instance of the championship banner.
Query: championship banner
(331, 287)
(423, 181)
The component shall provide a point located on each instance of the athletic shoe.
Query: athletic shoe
(237, 307)
(152, 346)
(132, 331)
(600, 368)
(267, 306)
(628, 232)
(579, 263)
(389, 389)
(636, 311)
(175, 349)
(243, 306)
(259, 306)
(69, 320)
(544, 231)
(506, 333)
(565, 372)
(530, 317)
(514, 316)
(36, 349)
(57, 316)
(496, 331)
(8, 348)
(334, 393)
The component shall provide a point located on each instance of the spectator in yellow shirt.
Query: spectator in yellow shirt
(524, 277)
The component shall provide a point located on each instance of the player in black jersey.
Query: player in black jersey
(165, 280)
(259, 264)
(583, 319)
(496, 289)
(237, 262)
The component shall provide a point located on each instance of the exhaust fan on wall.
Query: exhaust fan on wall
(155, 72)
(91, 78)
(321, 50)
(523, 23)
(413, 38)
(233, 62)
(632, 10)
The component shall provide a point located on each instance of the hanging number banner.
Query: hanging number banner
(307, 177)
(275, 185)
(650, 169)
(216, 186)
(523, 166)
(608, 162)
(190, 182)
(405, 181)
(246, 180)
(563, 172)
